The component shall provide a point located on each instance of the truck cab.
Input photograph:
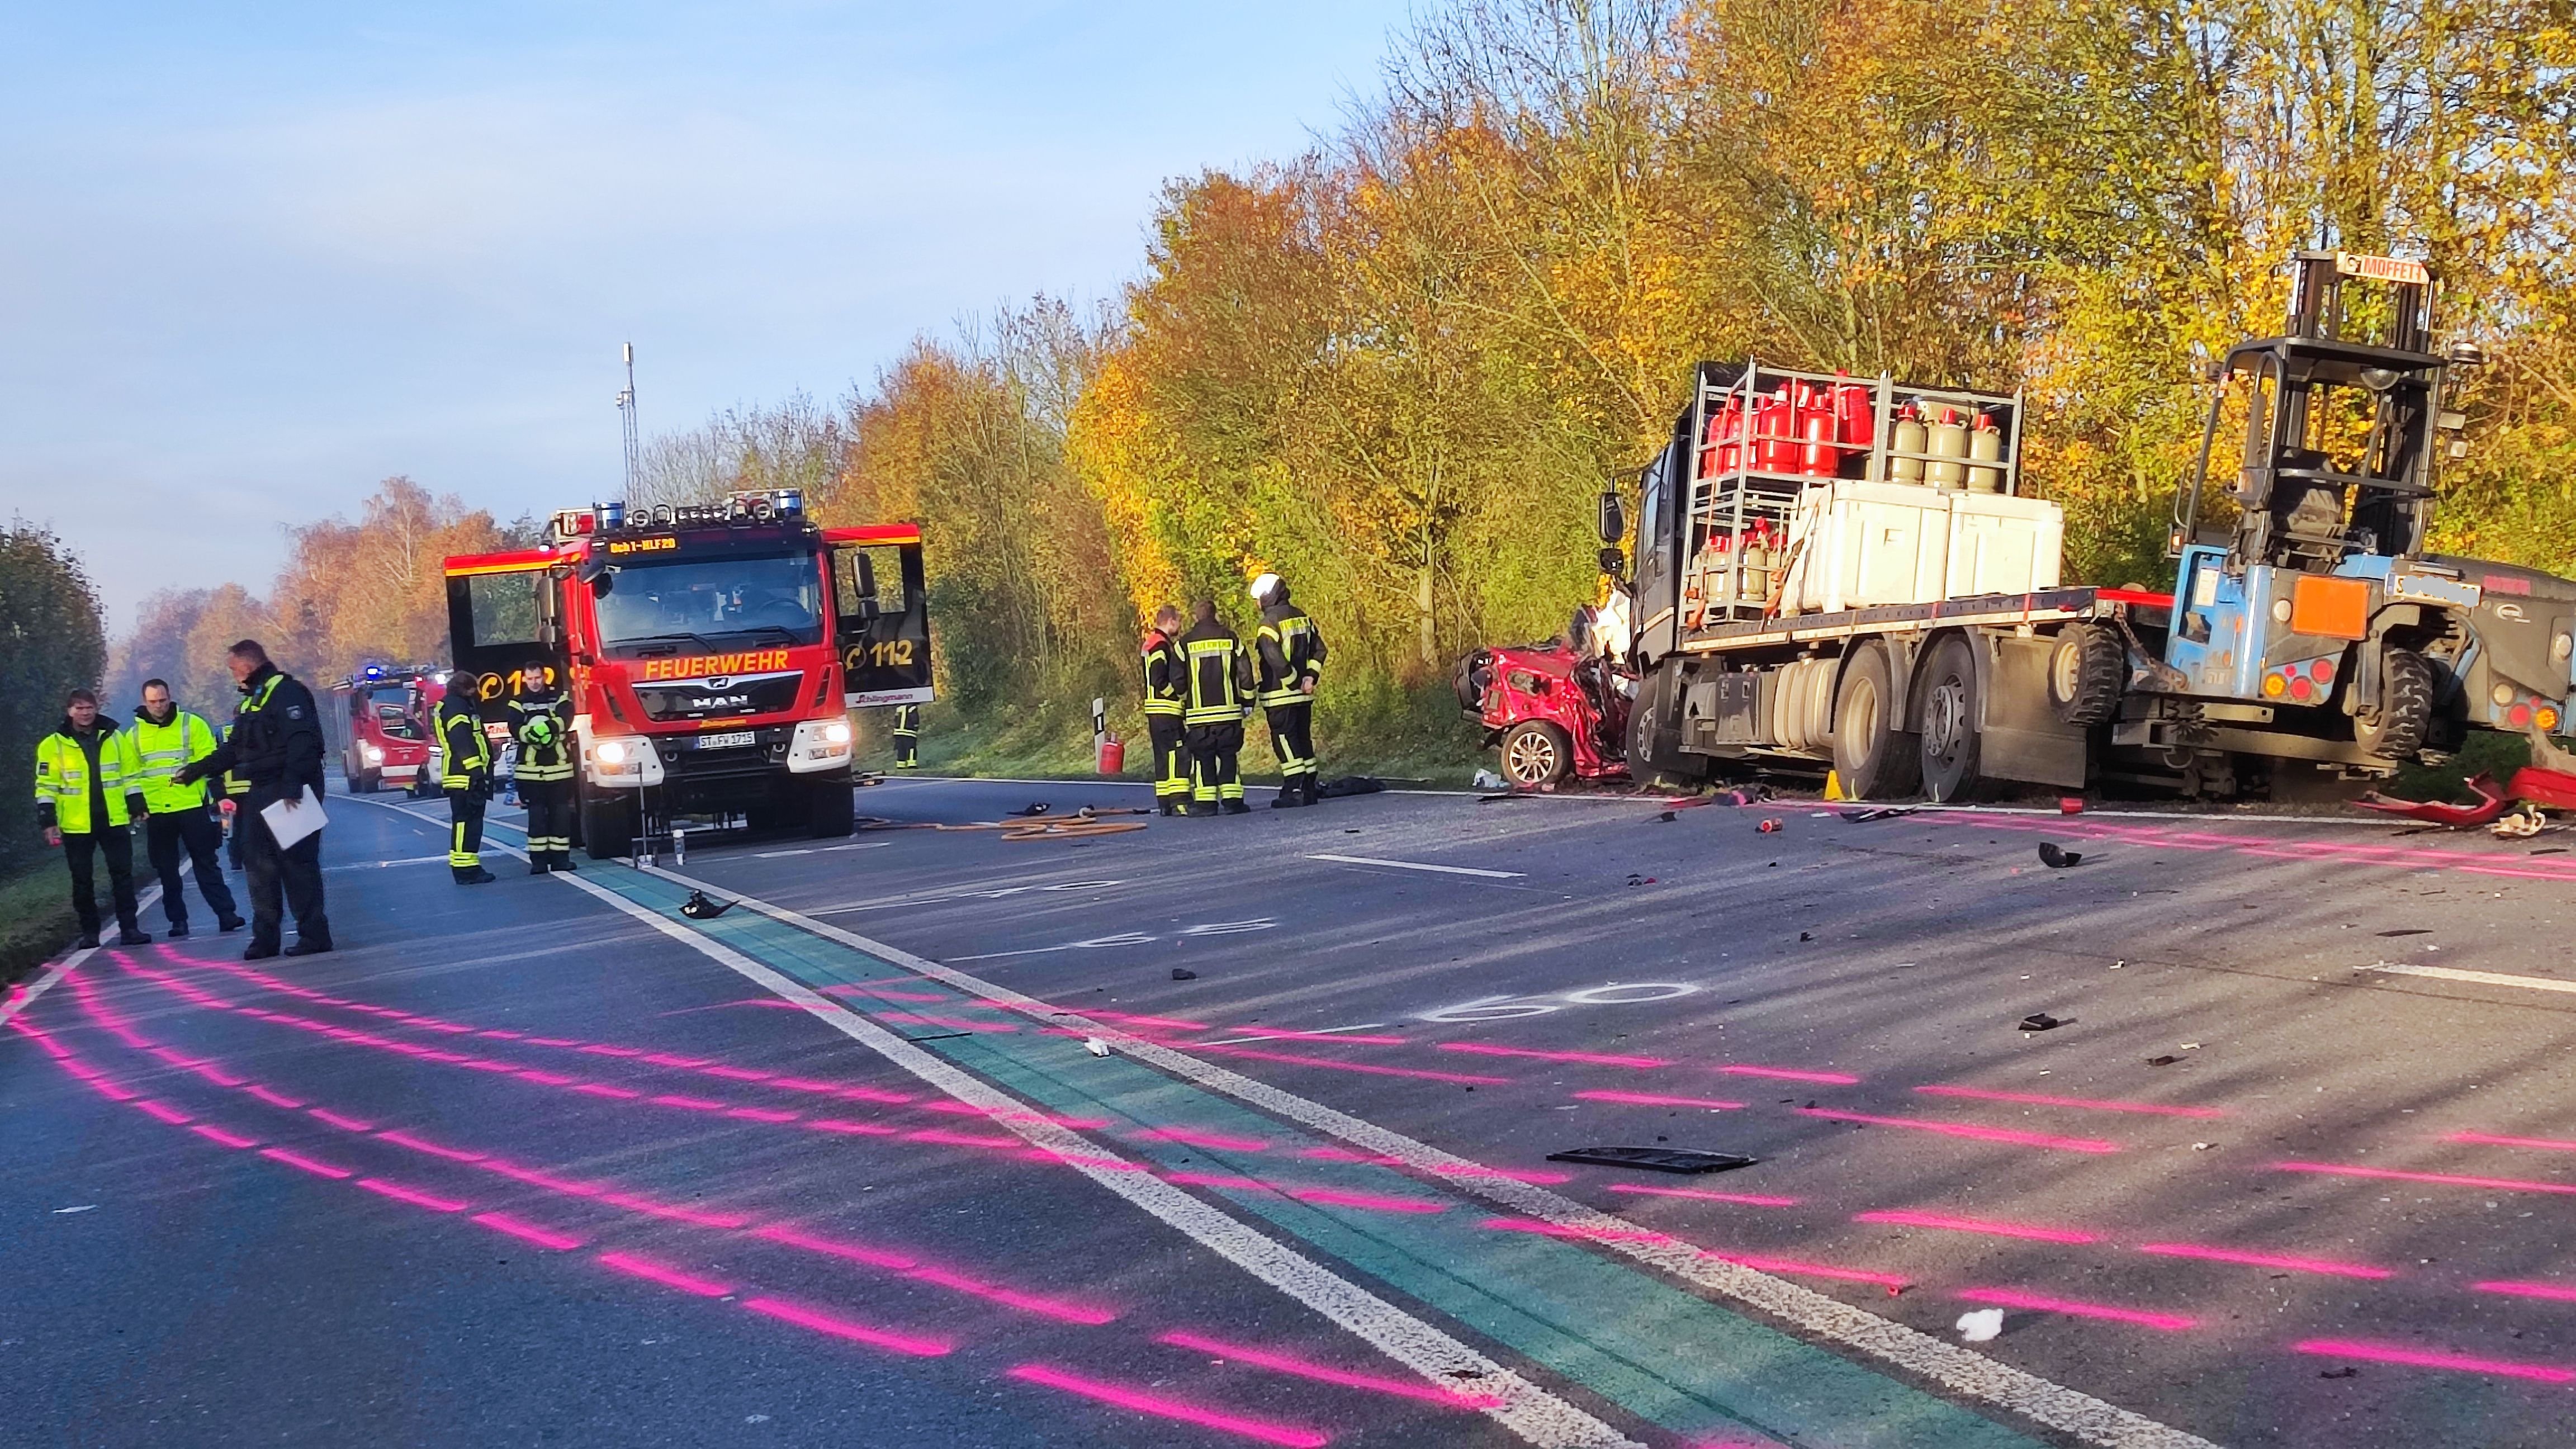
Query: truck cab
(711, 652)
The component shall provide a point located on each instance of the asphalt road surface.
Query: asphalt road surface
(1239, 1131)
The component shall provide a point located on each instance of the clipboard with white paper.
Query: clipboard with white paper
(291, 820)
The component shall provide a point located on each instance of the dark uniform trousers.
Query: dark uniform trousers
(465, 839)
(1213, 752)
(116, 843)
(196, 833)
(1171, 757)
(1292, 739)
(549, 805)
(280, 880)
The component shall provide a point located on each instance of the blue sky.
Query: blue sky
(255, 258)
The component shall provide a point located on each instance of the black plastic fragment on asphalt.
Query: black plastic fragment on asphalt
(1655, 1159)
(1183, 973)
(2164, 1061)
(2042, 1021)
(1882, 813)
(2409, 931)
(2055, 858)
(1034, 807)
(699, 907)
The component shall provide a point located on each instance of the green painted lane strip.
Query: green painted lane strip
(1666, 1356)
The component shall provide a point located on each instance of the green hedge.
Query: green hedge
(51, 641)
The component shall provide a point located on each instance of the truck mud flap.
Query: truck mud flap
(2023, 739)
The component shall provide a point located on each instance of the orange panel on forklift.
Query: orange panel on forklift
(2330, 608)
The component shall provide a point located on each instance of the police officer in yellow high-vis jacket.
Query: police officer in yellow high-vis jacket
(82, 785)
(465, 773)
(163, 739)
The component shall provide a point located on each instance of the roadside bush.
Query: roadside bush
(51, 641)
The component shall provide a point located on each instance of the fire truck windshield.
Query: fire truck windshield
(648, 609)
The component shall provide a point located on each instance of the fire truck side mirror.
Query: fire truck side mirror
(1614, 519)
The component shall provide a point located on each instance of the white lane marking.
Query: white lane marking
(2482, 978)
(1419, 865)
(933, 898)
(1537, 1416)
(1290, 1036)
(381, 864)
(1094, 944)
(1230, 928)
(774, 854)
(858, 845)
(1972, 1375)
(19, 1001)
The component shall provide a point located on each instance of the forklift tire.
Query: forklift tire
(2396, 730)
(2085, 674)
(608, 823)
(1946, 709)
(832, 812)
(1873, 757)
(1535, 754)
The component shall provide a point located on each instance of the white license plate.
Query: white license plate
(734, 741)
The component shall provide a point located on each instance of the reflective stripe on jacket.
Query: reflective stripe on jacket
(465, 752)
(156, 751)
(1219, 676)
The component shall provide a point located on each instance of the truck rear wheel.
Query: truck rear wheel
(2085, 674)
(608, 823)
(2395, 730)
(831, 810)
(1873, 757)
(1946, 709)
(1535, 753)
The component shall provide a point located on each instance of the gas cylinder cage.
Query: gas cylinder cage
(1764, 436)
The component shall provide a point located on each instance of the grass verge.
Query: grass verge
(35, 917)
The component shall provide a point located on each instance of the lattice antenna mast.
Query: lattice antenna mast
(626, 415)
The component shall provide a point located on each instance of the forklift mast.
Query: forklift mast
(2342, 410)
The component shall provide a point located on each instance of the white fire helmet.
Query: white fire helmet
(1263, 587)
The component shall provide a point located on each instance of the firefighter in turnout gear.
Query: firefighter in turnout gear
(1166, 695)
(542, 722)
(275, 747)
(83, 779)
(165, 738)
(465, 774)
(907, 737)
(1213, 712)
(1289, 652)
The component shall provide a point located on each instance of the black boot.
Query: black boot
(477, 876)
(536, 867)
(309, 946)
(563, 861)
(1236, 807)
(89, 940)
(230, 924)
(130, 937)
(1314, 789)
(178, 931)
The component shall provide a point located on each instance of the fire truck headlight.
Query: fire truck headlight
(612, 752)
(837, 732)
(371, 755)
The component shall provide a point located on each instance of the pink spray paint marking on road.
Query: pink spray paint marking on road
(1283, 1034)
(831, 1248)
(836, 1326)
(452, 1154)
(1167, 1022)
(1260, 1430)
(1986, 1226)
(2287, 1262)
(2488, 1139)
(415, 1196)
(664, 1274)
(1968, 1130)
(1649, 1099)
(1042, 1306)
(1326, 1374)
(1364, 1068)
(1595, 1059)
(1789, 1074)
(2427, 1358)
(228, 1139)
(855, 1129)
(1580, 1235)
(2555, 1292)
(528, 1232)
(297, 1159)
(1371, 1202)
(2438, 1179)
(169, 1114)
(334, 1119)
(1508, 1174)
(1799, 1268)
(1748, 1199)
(2076, 1308)
(2089, 1104)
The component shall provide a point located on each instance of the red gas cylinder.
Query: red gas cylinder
(1855, 425)
(1817, 456)
(1113, 755)
(1775, 426)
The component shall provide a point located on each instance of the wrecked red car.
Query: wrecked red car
(1551, 710)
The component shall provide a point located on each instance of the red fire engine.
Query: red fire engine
(378, 724)
(712, 653)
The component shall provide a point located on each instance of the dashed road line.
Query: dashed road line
(2480, 978)
(1421, 865)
